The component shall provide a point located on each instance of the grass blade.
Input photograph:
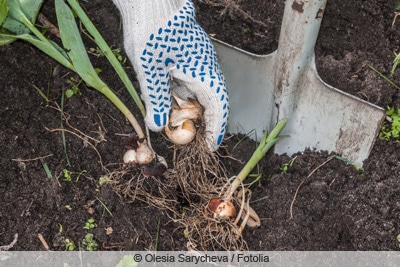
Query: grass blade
(64, 142)
(383, 76)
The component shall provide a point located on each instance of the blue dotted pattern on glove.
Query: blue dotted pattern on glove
(184, 44)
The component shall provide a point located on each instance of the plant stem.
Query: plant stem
(105, 90)
(99, 40)
(268, 141)
(72, 41)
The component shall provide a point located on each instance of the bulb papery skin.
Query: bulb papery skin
(253, 220)
(130, 157)
(221, 209)
(162, 160)
(182, 134)
(179, 116)
(188, 109)
(180, 128)
(144, 154)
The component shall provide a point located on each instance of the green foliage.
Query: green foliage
(68, 175)
(74, 87)
(396, 62)
(116, 51)
(90, 224)
(267, 142)
(103, 180)
(106, 50)
(16, 16)
(69, 244)
(19, 24)
(3, 11)
(286, 166)
(90, 243)
(75, 84)
(20, 16)
(391, 128)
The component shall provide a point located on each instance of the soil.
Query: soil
(317, 203)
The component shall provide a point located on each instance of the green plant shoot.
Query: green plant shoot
(286, 166)
(90, 224)
(19, 24)
(90, 243)
(391, 129)
(108, 52)
(268, 141)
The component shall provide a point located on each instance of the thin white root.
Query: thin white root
(7, 247)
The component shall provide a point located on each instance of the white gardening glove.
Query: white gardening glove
(167, 46)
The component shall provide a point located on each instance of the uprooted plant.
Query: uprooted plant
(224, 226)
(17, 23)
(212, 209)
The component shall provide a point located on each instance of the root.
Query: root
(231, 7)
(302, 182)
(184, 191)
(131, 184)
(197, 171)
(9, 246)
(204, 234)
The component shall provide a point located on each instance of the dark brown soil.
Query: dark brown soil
(336, 208)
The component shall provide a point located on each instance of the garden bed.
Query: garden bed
(318, 203)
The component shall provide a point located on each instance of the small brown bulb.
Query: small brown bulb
(221, 209)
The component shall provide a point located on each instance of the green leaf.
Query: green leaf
(48, 48)
(106, 50)
(30, 8)
(69, 93)
(20, 12)
(128, 261)
(6, 39)
(73, 43)
(3, 11)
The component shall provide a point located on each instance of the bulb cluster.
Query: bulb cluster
(180, 128)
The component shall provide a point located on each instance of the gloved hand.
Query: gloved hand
(170, 51)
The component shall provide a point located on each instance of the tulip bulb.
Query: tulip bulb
(144, 154)
(179, 114)
(221, 209)
(130, 157)
(180, 129)
(182, 134)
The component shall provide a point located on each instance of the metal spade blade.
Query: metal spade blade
(285, 85)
